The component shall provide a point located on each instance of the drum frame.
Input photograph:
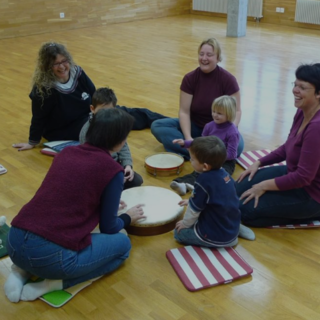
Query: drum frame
(164, 171)
(154, 230)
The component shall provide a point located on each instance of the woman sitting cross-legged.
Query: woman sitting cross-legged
(51, 236)
(199, 88)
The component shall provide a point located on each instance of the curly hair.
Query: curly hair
(43, 77)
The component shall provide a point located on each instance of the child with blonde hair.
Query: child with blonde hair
(222, 126)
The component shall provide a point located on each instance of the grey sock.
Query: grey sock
(179, 188)
(246, 233)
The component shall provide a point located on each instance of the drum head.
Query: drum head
(161, 209)
(165, 160)
(165, 163)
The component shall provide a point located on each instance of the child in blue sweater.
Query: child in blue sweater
(212, 218)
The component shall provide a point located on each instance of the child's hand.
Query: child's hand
(122, 205)
(180, 225)
(128, 173)
(183, 203)
(179, 141)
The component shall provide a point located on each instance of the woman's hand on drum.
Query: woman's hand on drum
(180, 225)
(179, 142)
(122, 205)
(251, 171)
(23, 146)
(136, 213)
(183, 203)
(128, 173)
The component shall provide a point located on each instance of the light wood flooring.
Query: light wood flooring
(144, 63)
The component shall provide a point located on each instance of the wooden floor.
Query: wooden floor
(144, 63)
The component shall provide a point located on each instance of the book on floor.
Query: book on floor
(54, 147)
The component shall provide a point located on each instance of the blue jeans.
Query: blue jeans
(48, 260)
(166, 130)
(187, 236)
(293, 206)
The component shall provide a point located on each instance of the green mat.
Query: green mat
(3, 237)
(60, 297)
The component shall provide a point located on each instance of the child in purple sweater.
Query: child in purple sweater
(223, 114)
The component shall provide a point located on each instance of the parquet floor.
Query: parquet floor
(144, 63)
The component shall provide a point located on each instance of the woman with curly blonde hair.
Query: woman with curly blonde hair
(61, 97)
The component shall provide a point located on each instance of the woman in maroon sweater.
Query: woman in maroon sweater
(51, 235)
(289, 194)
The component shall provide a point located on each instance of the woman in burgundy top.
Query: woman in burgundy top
(199, 88)
(288, 194)
(51, 237)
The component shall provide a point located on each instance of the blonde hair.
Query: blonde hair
(215, 46)
(226, 105)
(43, 77)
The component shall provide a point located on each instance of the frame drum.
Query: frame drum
(164, 164)
(161, 209)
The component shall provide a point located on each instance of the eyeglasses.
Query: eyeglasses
(300, 87)
(57, 64)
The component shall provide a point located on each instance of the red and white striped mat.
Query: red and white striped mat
(246, 159)
(312, 224)
(200, 268)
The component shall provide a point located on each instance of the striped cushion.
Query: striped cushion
(246, 159)
(312, 224)
(200, 268)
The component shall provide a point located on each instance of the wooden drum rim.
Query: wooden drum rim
(155, 169)
(161, 209)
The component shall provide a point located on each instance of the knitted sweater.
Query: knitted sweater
(66, 207)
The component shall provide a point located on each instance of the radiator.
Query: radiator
(307, 11)
(220, 6)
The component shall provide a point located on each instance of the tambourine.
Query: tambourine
(164, 164)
